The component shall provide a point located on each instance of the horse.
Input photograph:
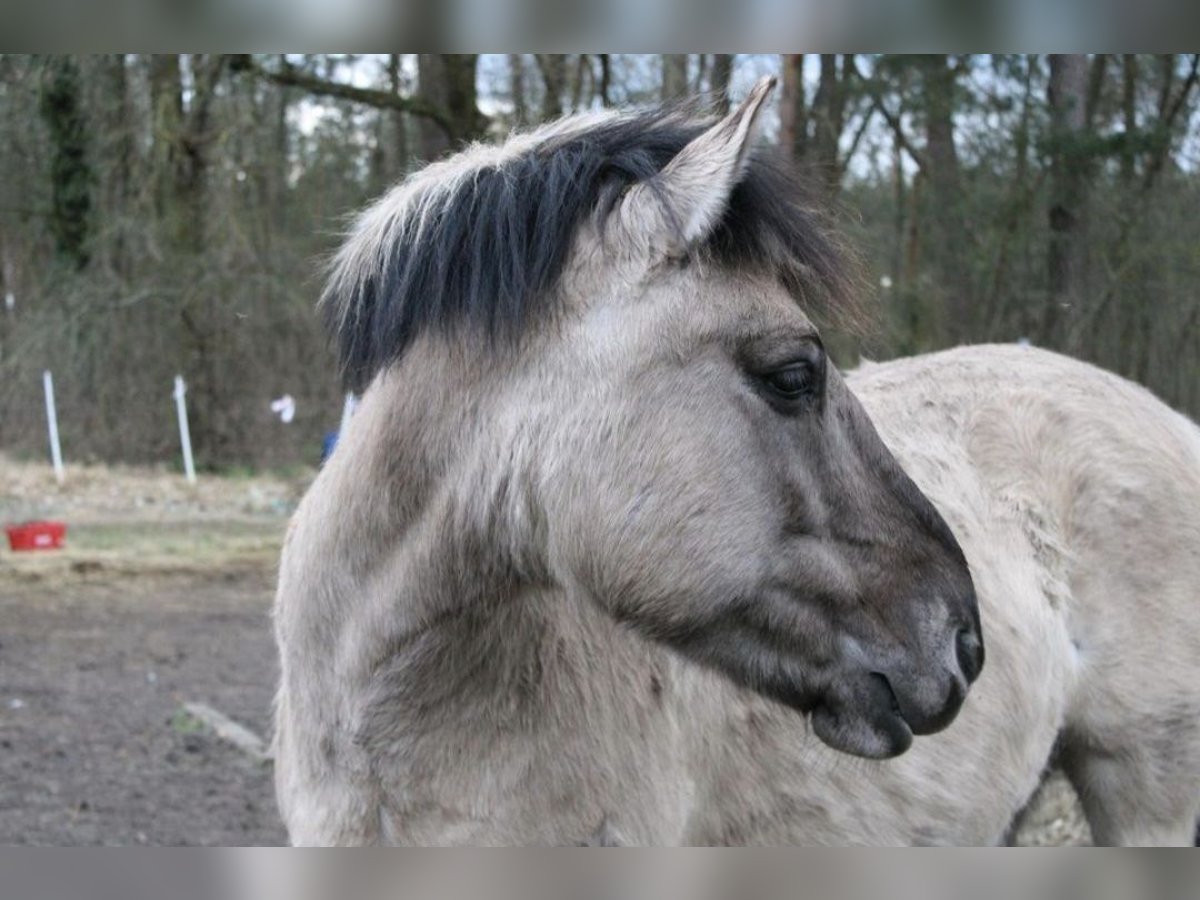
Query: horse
(612, 553)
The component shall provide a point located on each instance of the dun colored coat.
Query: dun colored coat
(611, 553)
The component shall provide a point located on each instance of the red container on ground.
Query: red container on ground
(36, 535)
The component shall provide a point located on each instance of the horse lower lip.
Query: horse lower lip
(900, 724)
(882, 682)
(892, 734)
(902, 734)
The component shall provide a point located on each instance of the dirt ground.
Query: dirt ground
(162, 598)
(94, 745)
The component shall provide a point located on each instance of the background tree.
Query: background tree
(169, 213)
(70, 167)
(1072, 106)
(674, 76)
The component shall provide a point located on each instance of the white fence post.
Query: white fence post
(52, 423)
(347, 412)
(185, 437)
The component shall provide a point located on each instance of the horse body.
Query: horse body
(1099, 484)
(649, 573)
(965, 785)
(1075, 495)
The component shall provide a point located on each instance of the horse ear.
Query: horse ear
(685, 201)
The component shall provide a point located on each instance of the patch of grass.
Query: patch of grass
(183, 722)
(117, 549)
(242, 472)
(247, 472)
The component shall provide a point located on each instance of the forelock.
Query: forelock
(475, 245)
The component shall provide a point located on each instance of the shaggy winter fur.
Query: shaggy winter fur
(475, 246)
(584, 586)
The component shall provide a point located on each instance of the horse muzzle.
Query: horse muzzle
(874, 710)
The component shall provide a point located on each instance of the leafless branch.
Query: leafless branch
(290, 76)
(893, 120)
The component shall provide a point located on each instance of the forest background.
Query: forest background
(168, 214)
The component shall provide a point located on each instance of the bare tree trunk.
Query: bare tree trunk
(390, 156)
(185, 134)
(722, 74)
(434, 139)
(674, 76)
(1169, 104)
(925, 324)
(793, 112)
(1124, 314)
(1129, 78)
(578, 77)
(948, 226)
(183, 138)
(71, 175)
(1005, 308)
(277, 186)
(166, 123)
(703, 62)
(516, 75)
(900, 199)
(121, 155)
(828, 117)
(396, 134)
(203, 327)
(605, 79)
(553, 67)
(1065, 253)
(196, 142)
(446, 81)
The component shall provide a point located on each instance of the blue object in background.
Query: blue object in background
(327, 445)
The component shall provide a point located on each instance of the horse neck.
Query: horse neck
(452, 639)
(434, 562)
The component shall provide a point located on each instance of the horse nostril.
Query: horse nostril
(969, 649)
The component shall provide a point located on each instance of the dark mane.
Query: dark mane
(484, 246)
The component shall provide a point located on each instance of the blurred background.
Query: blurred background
(164, 214)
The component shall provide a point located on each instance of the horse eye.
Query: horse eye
(793, 382)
